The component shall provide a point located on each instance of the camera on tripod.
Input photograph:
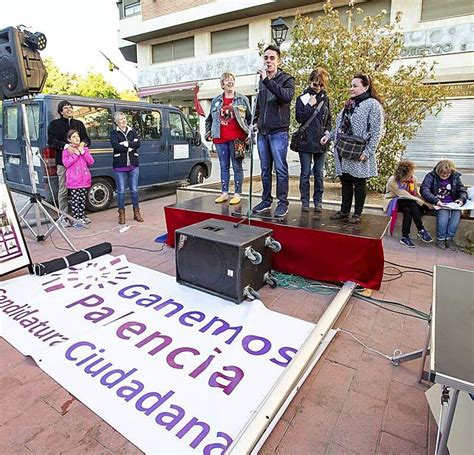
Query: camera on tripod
(22, 71)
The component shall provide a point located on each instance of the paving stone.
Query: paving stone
(407, 414)
(344, 350)
(310, 431)
(335, 449)
(271, 444)
(373, 376)
(359, 426)
(331, 385)
(392, 445)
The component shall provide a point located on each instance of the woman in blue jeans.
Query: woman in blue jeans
(310, 150)
(125, 143)
(442, 186)
(227, 126)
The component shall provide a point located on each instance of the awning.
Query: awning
(147, 91)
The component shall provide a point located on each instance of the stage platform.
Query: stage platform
(315, 248)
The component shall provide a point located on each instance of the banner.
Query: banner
(14, 254)
(173, 369)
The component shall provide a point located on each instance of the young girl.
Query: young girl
(401, 195)
(77, 160)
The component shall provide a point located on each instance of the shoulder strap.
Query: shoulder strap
(311, 117)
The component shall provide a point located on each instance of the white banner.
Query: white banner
(173, 369)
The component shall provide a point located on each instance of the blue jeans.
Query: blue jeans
(273, 148)
(121, 181)
(318, 160)
(447, 223)
(226, 154)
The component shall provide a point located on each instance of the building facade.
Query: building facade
(180, 43)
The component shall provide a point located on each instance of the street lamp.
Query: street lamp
(279, 30)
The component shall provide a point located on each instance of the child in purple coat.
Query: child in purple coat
(77, 160)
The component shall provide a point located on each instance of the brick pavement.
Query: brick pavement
(352, 402)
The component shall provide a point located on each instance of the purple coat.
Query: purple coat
(77, 169)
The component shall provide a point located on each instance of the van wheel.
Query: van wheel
(198, 174)
(100, 194)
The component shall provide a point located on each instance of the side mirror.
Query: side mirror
(197, 138)
(190, 138)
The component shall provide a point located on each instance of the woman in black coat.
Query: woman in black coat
(310, 149)
(125, 143)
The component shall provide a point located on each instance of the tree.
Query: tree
(92, 85)
(58, 82)
(368, 47)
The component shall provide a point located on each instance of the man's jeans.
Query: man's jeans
(447, 222)
(62, 190)
(318, 160)
(273, 148)
(121, 179)
(226, 154)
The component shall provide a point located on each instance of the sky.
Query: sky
(76, 31)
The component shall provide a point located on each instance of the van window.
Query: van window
(97, 120)
(10, 126)
(147, 124)
(33, 113)
(151, 125)
(176, 127)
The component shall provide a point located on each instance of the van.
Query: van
(170, 151)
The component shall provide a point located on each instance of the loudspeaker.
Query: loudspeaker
(22, 71)
(224, 259)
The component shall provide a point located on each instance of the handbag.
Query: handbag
(239, 148)
(348, 145)
(298, 134)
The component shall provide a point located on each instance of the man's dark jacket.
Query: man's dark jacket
(310, 141)
(57, 135)
(272, 113)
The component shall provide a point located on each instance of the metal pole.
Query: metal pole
(425, 351)
(446, 428)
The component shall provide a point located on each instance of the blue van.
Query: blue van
(170, 151)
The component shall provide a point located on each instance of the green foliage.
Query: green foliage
(371, 48)
(92, 84)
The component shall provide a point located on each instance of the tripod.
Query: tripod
(36, 200)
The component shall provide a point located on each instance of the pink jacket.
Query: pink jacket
(77, 169)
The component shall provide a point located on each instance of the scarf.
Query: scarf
(349, 107)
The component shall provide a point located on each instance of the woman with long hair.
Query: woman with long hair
(362, 116)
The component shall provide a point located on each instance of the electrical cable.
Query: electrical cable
(139, 248)
(297, 282)
(396, 352)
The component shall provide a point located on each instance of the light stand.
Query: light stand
(36, 199)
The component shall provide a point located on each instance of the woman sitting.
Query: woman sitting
(401, 195)
(442, 186)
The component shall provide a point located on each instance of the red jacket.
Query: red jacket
(77, 168)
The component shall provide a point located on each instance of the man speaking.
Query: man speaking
(272, 116)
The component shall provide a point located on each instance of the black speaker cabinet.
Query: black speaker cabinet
(213, 256)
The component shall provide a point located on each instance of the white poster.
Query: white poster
(173, 369)
(14, 254)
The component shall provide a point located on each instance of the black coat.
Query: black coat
(125, 156)
(310, 141)
(57, 135)
(272, 113)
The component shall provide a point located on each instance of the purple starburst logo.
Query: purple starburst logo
(89, 275)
